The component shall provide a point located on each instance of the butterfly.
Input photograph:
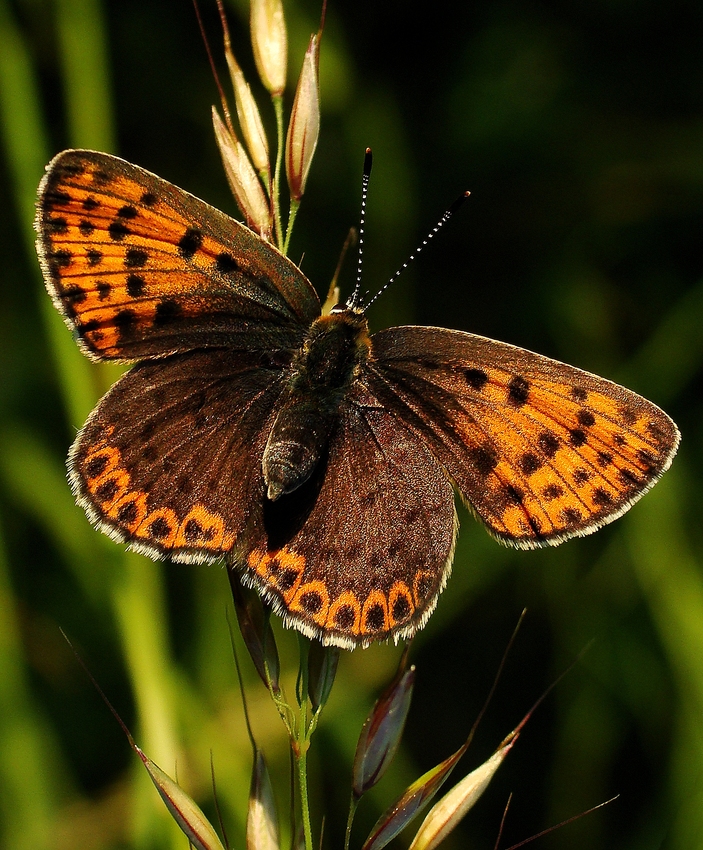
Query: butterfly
(320, 460)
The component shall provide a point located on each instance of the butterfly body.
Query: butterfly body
(318, 460)
(321, 374)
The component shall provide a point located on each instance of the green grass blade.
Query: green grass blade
(82, 42)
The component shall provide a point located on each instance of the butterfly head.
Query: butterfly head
(351, 307)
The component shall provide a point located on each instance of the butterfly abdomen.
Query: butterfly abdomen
(321, 374)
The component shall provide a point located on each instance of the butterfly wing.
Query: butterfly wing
(540, 450)
(362, 550)
(170, 459)
(141, 269)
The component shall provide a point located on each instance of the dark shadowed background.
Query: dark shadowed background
(578, 128)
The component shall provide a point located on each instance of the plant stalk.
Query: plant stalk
(276, 194)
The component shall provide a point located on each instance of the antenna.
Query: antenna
(443, 220)
(368, 162)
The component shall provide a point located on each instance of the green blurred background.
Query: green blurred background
(578, 128)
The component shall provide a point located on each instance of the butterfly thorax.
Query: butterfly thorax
(320, 376)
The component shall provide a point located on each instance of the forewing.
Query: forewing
(540, 450)
(360, 552)
(141, 269)
(170, 460)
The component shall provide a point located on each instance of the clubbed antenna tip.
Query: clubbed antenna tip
(459, 201)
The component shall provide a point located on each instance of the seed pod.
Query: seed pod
(381, 733)
(444, 816)
(262, 821)
(249, 118)
(243, 181)
(257, 633)
(411, 802)
(183, 808)
(322, 668)
(304, 127)
(270, 42)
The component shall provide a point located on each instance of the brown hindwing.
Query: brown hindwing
(361, 551)
(170, 460)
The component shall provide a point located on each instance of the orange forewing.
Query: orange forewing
(541, 451)
(140, 268)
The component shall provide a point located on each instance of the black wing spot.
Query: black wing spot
(88, 327)
(287, 579)
(160, 528)
(484, 459)
(193, 530)
(96, 466)
(548, 443)
(552, 491)
(570, 516)
(94, 256)
(535, 525)
(86, 227)
(518, 391)
(375, 618)
(57, 225)
(127, 211)
(344, 617)
(107, 491)
(72, 169)
(56, 198)
(226, 264)
(118, 231)
(148, 199)
(62, 258)
(577, 437)
(90, 204)
(311, 601)
(530, 463)
(476, 378)
(629, 417)
(581, 476)
(585, 418)
(127, 513)
(135, 285)
(602, 497)
(103, 289)
(401, 608)
(649, 461)
(74, 294)
(167, 311)
(190, 242)
(135, 257)
(125, 321)
(629, 478)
